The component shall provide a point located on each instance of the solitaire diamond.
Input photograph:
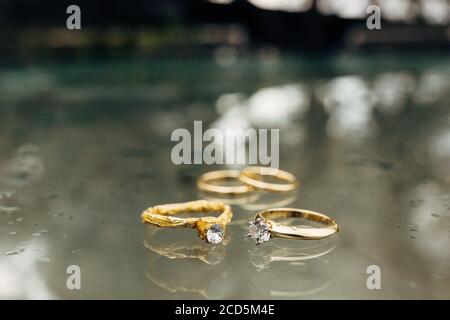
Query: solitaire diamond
(259, 231)
(214, 234)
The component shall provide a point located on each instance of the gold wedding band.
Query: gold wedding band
(253, 177)
(262, 229)
(211, 229)
(204, 183)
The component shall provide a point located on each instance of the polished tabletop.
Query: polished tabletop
(85, 147)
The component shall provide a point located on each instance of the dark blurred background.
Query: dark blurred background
(35, 27)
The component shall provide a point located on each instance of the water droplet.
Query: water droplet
(58, 214)
(8, 209)
(37, 234)
(15, 250)
(12, 233)
(435, 215)
(10, 222)
(42, 231)
(6, 194)
(20, 219)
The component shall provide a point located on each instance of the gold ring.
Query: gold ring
(204, 183)
(262, 229)
(253, 177)
(211, 229)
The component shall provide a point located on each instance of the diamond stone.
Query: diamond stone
(214, 234)
(259, 231)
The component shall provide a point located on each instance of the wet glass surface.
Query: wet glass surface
(85, 147)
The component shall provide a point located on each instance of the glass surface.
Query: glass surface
(85, 148)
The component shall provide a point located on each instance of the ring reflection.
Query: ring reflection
(180, 264)
(231, 199)
(262, 256)
(292, 270)
(181, 277)
(184, 247)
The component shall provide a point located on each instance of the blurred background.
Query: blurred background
(229, 27)
(86, 117)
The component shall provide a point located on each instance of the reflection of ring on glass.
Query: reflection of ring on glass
(183, 249)
(262, 229)
(188, 278)
(253, 177)
(205, 183)
(270, 200)
(211, 229)
(262, 256)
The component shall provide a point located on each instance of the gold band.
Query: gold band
(203, 183)
(211, 229)
(264, 228)
(253, 177)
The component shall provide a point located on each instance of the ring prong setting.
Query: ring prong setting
(215, 234)
(259, 230)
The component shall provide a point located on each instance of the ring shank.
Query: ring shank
(162, 215)
(253, 176)
(299, 232)
(203, 182)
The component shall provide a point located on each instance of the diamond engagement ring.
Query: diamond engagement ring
(211, 229)
(262, 228)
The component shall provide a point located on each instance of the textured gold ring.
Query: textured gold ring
(253, 176)
(204, 183)
(211, 229)
(263, 228)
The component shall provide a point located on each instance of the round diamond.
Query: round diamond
(259, 231)
(214, 234)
